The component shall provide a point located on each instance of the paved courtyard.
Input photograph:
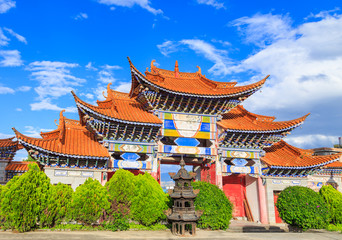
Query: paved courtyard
(201, 234)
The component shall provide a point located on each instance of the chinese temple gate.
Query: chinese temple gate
(172, 115)
(8, 149)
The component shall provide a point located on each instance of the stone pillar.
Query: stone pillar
(155, 168)
(262, 202)
(218, 172)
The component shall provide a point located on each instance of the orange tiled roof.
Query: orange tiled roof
(240, 119)
(18, 166)
(7, 142)
(193, 83)
(69, 139)
(337, 164)
(283, 155)
(120, 106)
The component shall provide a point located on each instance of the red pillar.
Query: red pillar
(262, 202)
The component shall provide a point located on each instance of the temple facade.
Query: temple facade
(8, 149)
(172, 115)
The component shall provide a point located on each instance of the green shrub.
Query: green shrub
(58, 206)
(121, 191)
(302, 207)
(118, 222)
(90, 202)
(333, 198)
(149, 201)
(24, 199)
(217, 209)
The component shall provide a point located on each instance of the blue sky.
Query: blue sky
(48, 48)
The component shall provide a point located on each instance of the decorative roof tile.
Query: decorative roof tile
(69, 139)
(193, 83)
(8, 142)
(240, 119)
(337, 164)
(119, 106)
(283, 155)
(18, 166)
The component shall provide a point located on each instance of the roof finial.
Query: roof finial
(199, 70)
(182, 163)
(61, 114)
(176, 67)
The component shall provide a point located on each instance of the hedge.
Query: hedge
(24, 200)
(333, 198)
(217, 209)
(302, 207)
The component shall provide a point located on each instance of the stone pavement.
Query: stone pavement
(201, 234)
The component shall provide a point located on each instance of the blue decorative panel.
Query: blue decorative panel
(191, 142)
(205, 127)
(169, 124)
(130, 156)
(239, 162)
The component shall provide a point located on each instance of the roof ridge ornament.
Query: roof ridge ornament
(153, 68)
(176, 69)
(199, 71)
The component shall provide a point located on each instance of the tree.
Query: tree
(216, 207)
(24, 199)
(90, 202)
(121, 191)
(302, 207)
(333, 198)
(58, 205)
(149, 201)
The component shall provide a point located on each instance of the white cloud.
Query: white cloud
(3, 39)
(16, 35)
(35, 131)
(130, 3)
(55, 81)
(168, 47)
(81, 16)
(325, 13)
(19, 109)
(5, 135)
(54, 78)
(219, 57)
(212, 3)
(90, 66)
(11, 58)
(305, 69)
(88, 95)
(6, 90)
(264, 29)
(46, 104)
(24, 89)
(106, 75)
(6, 5)
(312, 141)
(123, 87)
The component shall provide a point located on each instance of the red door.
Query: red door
(234, 187)
(275, 197)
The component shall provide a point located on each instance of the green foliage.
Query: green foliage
(58, 207)
(89, 202)
(217, 209)
(29, 159)
(336, 227)
(149, 200)
(155, 227)
(302, 207)
(118, 222)
(121, 191)
(333, 198)
(24, 199)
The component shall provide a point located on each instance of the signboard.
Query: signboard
(188, 125)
